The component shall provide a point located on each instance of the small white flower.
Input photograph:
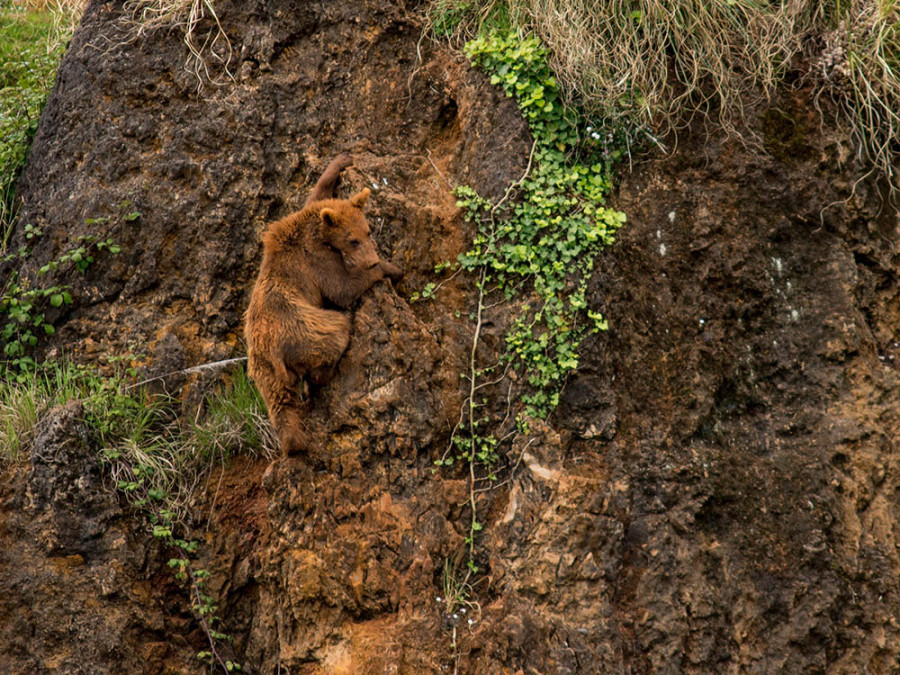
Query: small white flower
(471, 622)
(590, 129)
(595, 136)
(438, 599)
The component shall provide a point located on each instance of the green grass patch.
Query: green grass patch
(33, 39)
(160, 463)
(141, 436)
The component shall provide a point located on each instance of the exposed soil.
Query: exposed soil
(85, 589)
(715, 494)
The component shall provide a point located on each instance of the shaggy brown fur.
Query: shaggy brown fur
(320, 253)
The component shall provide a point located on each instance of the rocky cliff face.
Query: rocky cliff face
(715, 494)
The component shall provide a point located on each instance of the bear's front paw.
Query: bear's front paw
(391, 270)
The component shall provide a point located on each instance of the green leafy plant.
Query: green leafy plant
(546, 239)
(24, 303)
(535, 248)
(135, 479)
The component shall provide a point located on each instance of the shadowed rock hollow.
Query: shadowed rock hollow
(717, 492)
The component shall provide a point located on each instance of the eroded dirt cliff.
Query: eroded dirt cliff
(717, 492)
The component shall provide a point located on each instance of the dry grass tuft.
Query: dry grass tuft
(856, 66)
(661, 63)
(209, 51)
(19, 412)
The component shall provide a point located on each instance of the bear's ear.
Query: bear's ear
(359, 200)
(329, 217)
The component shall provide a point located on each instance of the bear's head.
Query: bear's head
(345, 229)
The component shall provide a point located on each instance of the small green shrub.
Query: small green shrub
(137, 475)
(159, 466)
(24, 302)
(458, 609)
(33, 38)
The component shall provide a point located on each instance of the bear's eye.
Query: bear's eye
(354, 242)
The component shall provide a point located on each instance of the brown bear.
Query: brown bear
(322, 253)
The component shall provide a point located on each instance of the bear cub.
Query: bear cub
(324, 252)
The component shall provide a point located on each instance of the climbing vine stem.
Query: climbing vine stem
(475, 526)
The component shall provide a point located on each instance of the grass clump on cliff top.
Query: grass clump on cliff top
(661, 63)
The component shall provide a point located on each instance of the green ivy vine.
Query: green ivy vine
(548, 239)
(536, 247)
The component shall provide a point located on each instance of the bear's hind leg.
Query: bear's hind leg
(288, 378)
(291, 433)
(284, 406)
(322, 375)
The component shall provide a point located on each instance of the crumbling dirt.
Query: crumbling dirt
(714, 495)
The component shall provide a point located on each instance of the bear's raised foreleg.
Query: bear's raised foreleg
(327, 184)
